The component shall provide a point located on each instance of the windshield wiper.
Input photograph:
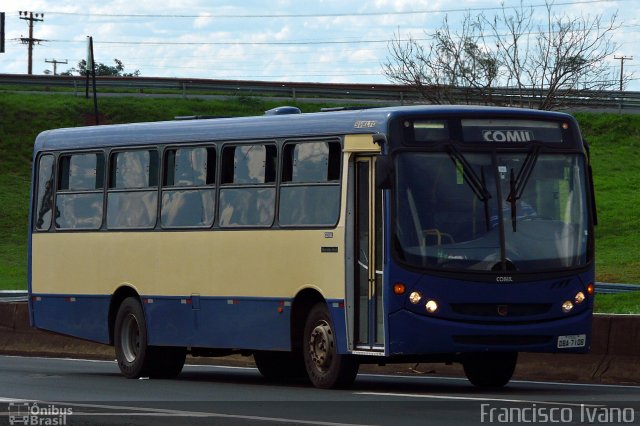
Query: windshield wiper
(517, 184)
(476, 184)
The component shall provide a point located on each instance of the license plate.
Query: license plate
(573, 341)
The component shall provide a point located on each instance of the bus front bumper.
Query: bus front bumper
(412, 334)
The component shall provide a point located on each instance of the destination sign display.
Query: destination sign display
(490, 131)
(511, 131)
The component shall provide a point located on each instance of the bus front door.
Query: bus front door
(368, 330)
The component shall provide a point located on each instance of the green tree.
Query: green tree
(102, 69)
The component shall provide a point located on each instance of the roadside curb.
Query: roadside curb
(614, 357)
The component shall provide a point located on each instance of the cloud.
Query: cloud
(203, 20)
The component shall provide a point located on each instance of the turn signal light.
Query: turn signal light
(399, 288)
(590, 289)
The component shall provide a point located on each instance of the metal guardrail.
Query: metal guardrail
(375, 93)
(601, 288)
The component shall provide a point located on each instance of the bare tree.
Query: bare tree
(454, 65)
(542, 66)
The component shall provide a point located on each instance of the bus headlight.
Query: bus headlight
(579, 298)
(415, 297)
(567, 306)
(431, 306)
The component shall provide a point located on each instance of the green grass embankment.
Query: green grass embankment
(615, 151)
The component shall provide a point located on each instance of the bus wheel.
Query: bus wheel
(135, 357)
(489, 369)
(166, 361)
(325, 367)
(278, 366)
(130, 340)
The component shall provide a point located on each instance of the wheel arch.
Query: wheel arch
(301, 306)
(117, 298)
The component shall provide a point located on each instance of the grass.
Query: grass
(623, 303)
(615, 153)
(614, 139)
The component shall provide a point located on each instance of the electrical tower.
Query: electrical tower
(55, 63)
(30, 41)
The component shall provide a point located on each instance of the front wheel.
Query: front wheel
(325, 367)
(489, 369)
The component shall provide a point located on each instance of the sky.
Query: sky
(328, 41)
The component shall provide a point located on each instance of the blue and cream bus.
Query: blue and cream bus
(318, 242)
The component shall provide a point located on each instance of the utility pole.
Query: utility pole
(55, 64)
(622, 59)
(1, 32)
(29, 16)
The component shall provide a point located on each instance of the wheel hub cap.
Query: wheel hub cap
(321, 346)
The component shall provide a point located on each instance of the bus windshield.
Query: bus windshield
(491, 211)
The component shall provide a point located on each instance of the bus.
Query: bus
(318, 242)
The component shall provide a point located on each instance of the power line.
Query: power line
(325, 15)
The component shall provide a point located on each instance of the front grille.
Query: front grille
(501, 310)
(502, 340)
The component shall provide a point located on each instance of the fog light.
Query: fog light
(579, 298)
(431, 306)
(567, 306)
(415, 297)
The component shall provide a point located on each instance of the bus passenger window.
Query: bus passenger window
(310, 190)
(79, 199)
(247, 197)
(44, 193)
(132, 196)
(188, 194)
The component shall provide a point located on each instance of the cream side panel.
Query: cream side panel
(270, 263)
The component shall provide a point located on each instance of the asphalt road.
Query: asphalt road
(65, 391)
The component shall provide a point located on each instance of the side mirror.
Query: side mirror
(384, 172)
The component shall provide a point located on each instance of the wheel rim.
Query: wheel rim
(130, 338)
(321, 346)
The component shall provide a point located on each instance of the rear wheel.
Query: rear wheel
(135, 357)
(489, 369)
(325, 367)
(279, 366)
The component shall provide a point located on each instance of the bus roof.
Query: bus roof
(373, 120)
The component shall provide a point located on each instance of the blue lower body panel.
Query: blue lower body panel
(79, 316)
(243, 323)
(219, 322)
(410, 333)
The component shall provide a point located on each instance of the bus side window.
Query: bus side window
(310, 189)
(44, 193)
(79, 199)
(188, 193)
(247, 196)
(132, 197)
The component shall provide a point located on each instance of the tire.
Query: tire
(167, 361)
(325, 367)
(489, 369)
(280, 366)
(135, 357)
